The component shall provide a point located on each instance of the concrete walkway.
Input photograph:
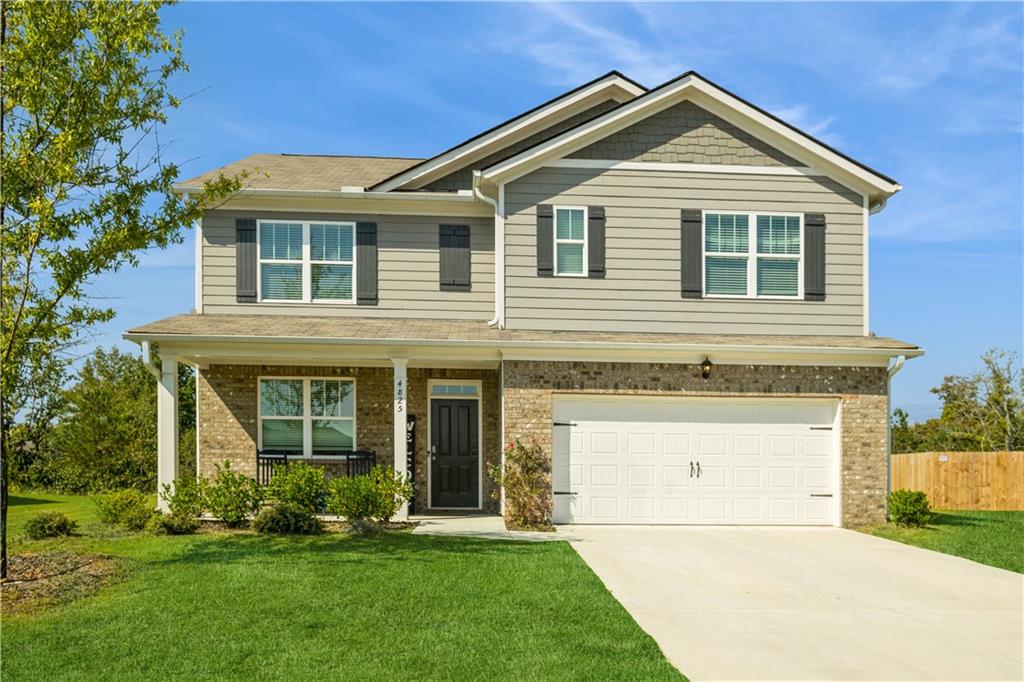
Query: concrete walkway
(475, 526)
(810, 603)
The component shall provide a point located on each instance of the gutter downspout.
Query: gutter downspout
(499, 248)
(893, 370)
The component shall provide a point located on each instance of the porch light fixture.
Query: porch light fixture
(705, 368)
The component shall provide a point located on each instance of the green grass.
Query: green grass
(995, 538)
(399, 606)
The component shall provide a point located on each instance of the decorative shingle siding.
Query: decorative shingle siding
(686, 133)
(529, 387)
(463, 178)
(229, 416)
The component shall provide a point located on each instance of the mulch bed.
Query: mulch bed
(36, 581)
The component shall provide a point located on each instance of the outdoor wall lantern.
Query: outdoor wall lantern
(705, 368)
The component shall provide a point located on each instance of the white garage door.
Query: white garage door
(666, 460)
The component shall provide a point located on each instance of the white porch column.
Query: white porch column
(167, 426)
(401, 412)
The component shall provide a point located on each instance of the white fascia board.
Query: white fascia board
(459, 195)
(614, 349)
(654, 102)
(453, 156)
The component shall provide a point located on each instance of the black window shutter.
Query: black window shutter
(692, 255)
(366, 263)
(545, 241)
(595, 241)
(245, 260)
(814, 257)
(455, 257)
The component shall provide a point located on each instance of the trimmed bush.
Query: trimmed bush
(188, 499)
(909, 508)
(232, 497)
(127, 508)
(376, 497)
(287, 519)
(300, 485)
(51, 524)
(172, 524)
(526, 482)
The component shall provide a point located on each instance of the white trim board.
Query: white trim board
(611, 164)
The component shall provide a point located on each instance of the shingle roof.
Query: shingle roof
(298, 328)
(309, 172)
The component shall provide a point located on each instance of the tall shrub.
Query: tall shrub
(233, 497)
(300, 485)
(526, 480)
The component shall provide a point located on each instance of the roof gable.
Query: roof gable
(612, 86)
(749, 122)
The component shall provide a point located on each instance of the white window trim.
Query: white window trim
(307, 263)
(479, 398)
(307, 416)
(752, 255)
(557, 241)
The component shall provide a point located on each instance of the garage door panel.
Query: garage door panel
(627, 461)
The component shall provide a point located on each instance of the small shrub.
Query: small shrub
(909, 508)
(298, 484)
(287, 519)
(172, 524)
(526, 482)
(52, 524)
(376, 497)
(188, 499)
(127, 508)
(232, 497)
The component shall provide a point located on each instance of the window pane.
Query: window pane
(569, 223)
(570, 259)
(778, 234)
(777, 276)
(331, 398)
(330, 242)
(281, 241)
(333, 434)
(282, 434)
(726, 233)
(332, 281)
(281, 397)
(281, 282)
(724, 275)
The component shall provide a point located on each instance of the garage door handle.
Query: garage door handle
(698, 469)
(564, 492)
(691, 469)
(821, 494)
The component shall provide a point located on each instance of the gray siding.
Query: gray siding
(641, 290)
(685, 133)
(408, 267)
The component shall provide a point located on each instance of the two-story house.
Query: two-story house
(666, 289)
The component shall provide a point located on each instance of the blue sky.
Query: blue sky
(930, 94)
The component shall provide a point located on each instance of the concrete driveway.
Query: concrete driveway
(730, 603)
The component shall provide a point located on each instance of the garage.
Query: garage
(661, 460)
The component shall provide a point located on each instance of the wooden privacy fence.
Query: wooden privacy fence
(963, 480)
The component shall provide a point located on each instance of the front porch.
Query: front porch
(440, 425)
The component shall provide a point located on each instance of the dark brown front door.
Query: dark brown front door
(454, 455)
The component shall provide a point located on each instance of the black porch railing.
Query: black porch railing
(357, 462)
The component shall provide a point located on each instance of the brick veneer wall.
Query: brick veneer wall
(685, 133)
(529, 387)
(228, 415)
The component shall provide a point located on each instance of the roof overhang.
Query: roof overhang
(613, 86)
(208, 349)
(693, 87)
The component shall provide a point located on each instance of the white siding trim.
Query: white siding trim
(867, 282)
(499, 258)
(611, 164)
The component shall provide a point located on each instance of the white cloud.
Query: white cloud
(817, 126)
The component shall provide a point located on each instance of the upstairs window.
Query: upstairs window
(304, 262)
(765, 264)
(570, 241)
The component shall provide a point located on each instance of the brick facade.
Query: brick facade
(686, 133)
(228, 416)
(529, 387)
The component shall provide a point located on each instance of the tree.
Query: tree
(85, 89)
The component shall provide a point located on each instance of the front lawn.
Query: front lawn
(398, 606)
(988, 537)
